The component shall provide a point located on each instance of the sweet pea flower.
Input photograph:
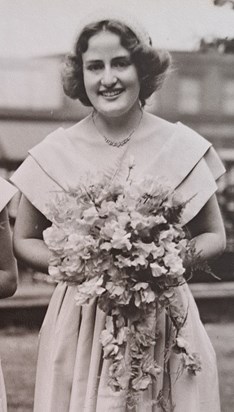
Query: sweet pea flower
(55, 238)
(157, 270)
(120, 239)
(90, 215)
(108, 230)
(175, 263)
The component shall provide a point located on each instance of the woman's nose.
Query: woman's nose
(108, 79)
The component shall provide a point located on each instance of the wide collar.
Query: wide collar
(66, 161)
(7, 191)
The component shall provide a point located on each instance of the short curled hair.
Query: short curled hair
(151, 64)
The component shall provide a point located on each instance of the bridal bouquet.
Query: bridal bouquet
(122, 244)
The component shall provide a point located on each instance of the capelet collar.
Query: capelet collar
(186, 160)
(7, 191)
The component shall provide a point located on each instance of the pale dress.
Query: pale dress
(71, 373)
(7, 191)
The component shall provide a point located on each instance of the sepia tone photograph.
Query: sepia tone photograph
(117, 206)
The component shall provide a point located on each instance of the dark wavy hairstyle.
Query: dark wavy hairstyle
(151, 64)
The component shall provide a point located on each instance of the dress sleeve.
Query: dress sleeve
(35, 184)
(7, 191)
(200, 184)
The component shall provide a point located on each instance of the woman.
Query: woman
(8, 270)
(115, 69)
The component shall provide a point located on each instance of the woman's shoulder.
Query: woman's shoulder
(176, 132)
(158, 126)
(62, 138)
(7, 191)
(61, 133)
(191, 135)
(78, 128)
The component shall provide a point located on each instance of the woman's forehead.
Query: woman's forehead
(102, 43)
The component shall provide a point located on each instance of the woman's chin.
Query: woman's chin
(113, 110)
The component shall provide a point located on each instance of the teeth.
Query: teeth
(111, 94)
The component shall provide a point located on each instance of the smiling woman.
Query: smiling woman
(104, 170)
(110, 76)
(115, 73)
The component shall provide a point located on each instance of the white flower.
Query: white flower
(89, 289)
(115, 290)
(124, 262)
(54, 272)
(145, 249)
(144, 294)
(166, 235)
(182, 343)
(106, 246)
(106, 337)
(158, 251)
(123, 219)
(55, 238)
(90, 215)
(108, 230)
(107, 208)
(174, 263)
(136, 220)
(120, 239)
(72, 264)
(122, 335)
(157, 270)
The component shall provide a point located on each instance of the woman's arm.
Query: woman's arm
(8, 267)
(29, 246)
(207, 230)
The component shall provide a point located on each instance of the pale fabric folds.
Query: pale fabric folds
(59, 162)
(7, 191)
(71, 374)
(3, 400)
(32, 180)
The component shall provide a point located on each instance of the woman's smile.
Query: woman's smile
(111, 94)
(110, 78)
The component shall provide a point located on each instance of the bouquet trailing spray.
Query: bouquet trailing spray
(122, 243)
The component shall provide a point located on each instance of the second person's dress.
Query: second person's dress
(7, 191)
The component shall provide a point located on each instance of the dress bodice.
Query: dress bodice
(183, 160)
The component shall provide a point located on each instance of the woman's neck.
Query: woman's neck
(119, 127)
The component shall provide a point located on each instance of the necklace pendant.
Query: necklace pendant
(119, 143)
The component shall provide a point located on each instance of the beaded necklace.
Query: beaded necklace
(118, 143)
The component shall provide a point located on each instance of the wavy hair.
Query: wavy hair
(151, 64)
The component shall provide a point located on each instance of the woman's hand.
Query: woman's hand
(29, 246)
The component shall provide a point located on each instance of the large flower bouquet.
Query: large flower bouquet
(122, 244)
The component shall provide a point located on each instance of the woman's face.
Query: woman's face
(110, 78)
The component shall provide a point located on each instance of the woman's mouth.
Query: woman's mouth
(110, 93)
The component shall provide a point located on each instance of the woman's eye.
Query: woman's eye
(122, 63)
(94, 67)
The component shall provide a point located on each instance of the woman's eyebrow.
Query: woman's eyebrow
(92, 61)
(123, 57)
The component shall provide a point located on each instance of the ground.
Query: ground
(18, 347)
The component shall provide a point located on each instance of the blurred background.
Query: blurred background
(34, 38)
